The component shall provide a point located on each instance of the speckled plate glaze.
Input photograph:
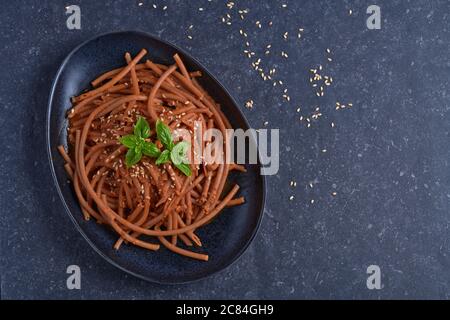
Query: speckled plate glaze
(224, 239)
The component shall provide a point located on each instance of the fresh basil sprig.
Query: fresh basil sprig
(177, 153)
(136, 144)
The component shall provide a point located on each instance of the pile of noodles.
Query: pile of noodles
(146, 204)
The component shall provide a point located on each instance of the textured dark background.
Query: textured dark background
(387, 157)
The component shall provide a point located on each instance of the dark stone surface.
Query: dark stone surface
(387, 157)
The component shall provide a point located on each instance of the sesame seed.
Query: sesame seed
(291, 198)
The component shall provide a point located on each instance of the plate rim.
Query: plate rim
(68, 211)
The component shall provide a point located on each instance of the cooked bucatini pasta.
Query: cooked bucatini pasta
(128, 179)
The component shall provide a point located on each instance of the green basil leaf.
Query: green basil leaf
(132, 157)
(164, 134)
(129, 141)
(178, 153)
(185, 168)
(138, 148)
(142, 128)
(150, 150)
(163, 157)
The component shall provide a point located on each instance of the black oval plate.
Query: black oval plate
(224, 239)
